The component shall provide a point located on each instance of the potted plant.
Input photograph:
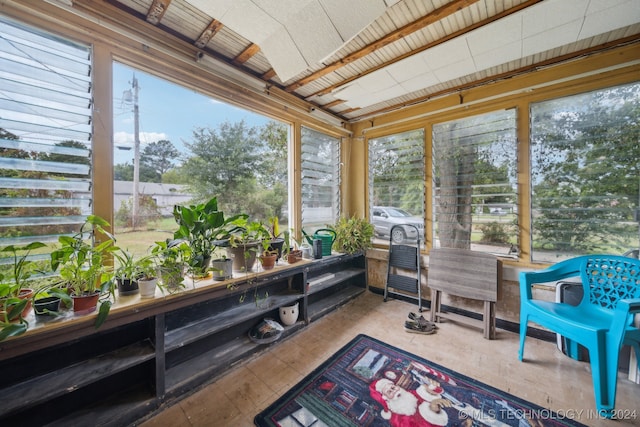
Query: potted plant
(268, 256)
(203, 226)
(352, 235)
(276, 242)
(126, 272)
(147, 274)
(15, 293)
(81, 267)
(244, 242)
(221, 268)
(47, 300)
(292, 253)
(172, 258)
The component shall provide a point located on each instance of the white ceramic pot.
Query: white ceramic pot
(147, 288)
(289, 314)
(307, 251)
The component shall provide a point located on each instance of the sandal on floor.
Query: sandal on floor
(422, 321)
(416, 328)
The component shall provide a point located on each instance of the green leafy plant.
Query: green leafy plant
(172, 257)
(353, 235)
(245, 231)
(203, 226)
(15, 297)
(52, 289)
(131, 268)
(21, 271)
(80, 263)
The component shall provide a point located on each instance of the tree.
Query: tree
(455, 158)
(68, 158)
(274, 168)
(273, 173)
(245, 167)
(159, 156)
(124, 172)
(397, 167)
(222, 161)
(587, 164)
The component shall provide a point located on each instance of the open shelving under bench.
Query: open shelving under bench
(151, 351)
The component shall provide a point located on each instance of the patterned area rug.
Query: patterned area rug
(370, 383)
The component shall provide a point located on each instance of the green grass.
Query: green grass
(138, 242)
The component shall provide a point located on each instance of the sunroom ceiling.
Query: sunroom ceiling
(358, 58)
(295, 34)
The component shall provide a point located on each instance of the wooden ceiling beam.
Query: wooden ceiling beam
(438, 14)
(451, 36)
(157, 10)
(206, 36)
(332, 103)
(246, 54)
(271, 73)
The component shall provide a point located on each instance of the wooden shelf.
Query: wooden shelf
(215, 362)
(37, 390)
(321, 307)
(116, 411)
(152, 351)
(339, 277)
(220, 321)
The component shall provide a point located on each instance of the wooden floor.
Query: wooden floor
(547, 377)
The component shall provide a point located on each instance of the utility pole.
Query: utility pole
(136, 155)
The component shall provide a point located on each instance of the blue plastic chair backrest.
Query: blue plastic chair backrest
(609, 278)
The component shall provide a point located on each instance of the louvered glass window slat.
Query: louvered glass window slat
(585, 169)
(396, 186)
(475, 183)
(320, 178)
(45, 134)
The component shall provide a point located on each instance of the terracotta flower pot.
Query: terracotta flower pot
(25, 294)
(294, 256)
(268, 261)
(85, 303)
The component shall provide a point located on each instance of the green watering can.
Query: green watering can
(326, 235)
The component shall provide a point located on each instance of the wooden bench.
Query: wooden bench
(467, 274)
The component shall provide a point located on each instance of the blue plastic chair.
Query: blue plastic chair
(602, 322)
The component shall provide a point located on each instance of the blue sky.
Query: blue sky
(167, 111)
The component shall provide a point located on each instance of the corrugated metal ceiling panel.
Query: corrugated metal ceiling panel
(185, 19)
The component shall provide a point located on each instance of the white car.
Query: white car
(384, 218)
